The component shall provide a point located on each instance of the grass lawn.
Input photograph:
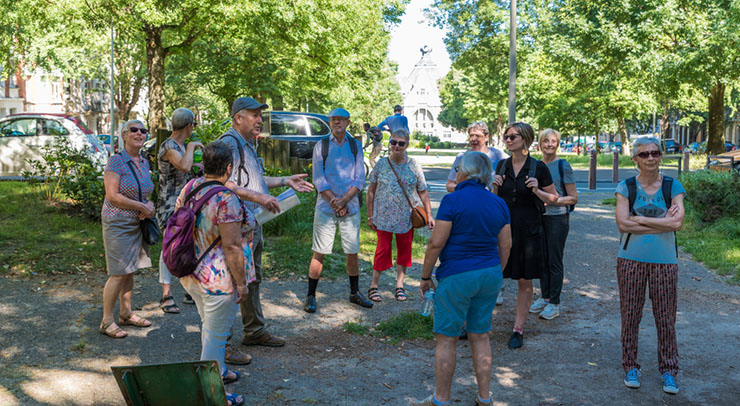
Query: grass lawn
(42, 237)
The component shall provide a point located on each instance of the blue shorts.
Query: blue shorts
(467, 297)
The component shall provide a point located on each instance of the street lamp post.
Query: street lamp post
(512, 63)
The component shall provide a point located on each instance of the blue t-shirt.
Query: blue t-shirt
(653, 248)
(477, 216)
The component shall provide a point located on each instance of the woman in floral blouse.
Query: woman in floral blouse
(389, 212)
(220, 281)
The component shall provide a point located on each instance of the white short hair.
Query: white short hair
(476, 165)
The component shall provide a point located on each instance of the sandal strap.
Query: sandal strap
(403, 290)
(371, 290)
(166, 298)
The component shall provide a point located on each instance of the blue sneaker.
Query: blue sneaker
(632, 379)
(669, 383)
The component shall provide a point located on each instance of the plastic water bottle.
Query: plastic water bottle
(427, 304)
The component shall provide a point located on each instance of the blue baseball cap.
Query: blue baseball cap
(247, 103)
(339, 112)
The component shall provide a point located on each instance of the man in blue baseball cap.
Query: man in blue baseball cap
(339, 175)
(247, 180)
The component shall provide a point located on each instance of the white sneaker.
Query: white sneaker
(551, 311)
(538, 305)
(500, 297)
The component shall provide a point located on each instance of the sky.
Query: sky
(412, 34)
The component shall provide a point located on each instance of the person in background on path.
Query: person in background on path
(395, 122)
(247, 180)
(556, 222)
(472, 239)
(426, 149)
(121, 213)
(175, 162)
(375, 136)
(338, 180)
(389, 212)
(648, 257)
(219, 283)
(478, 137)
(524, 195)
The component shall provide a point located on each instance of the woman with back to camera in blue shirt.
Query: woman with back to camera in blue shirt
(472, 239)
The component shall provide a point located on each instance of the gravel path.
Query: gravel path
(52, 354)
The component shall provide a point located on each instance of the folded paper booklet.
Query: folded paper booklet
(286, 200)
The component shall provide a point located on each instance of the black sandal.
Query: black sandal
(401, 294)
(374, 295)
(169, 308)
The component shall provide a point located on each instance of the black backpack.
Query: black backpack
(632, 196)
(532, 172)
(561, 165)
(325, 154)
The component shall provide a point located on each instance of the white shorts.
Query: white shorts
(325, 227)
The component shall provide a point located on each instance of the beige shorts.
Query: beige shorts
(325, 228)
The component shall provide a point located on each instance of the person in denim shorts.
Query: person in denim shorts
(472, 239)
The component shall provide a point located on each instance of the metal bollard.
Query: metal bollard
(686, 161)
(592, 170)
(615, 167)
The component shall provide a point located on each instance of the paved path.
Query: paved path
(51, 353)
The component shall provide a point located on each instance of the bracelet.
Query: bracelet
(282, 181)
(426, 279)
(370, 218)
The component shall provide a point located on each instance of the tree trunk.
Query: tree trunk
(155, 58)
(622, 132)
(716, 124)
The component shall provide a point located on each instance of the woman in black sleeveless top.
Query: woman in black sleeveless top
(525, 195)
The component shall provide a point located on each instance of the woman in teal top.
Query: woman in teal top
(648, 257)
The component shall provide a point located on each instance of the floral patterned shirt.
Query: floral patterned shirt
(212, 276)
(127, 186)
(391, 211)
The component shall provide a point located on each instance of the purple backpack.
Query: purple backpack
(178, 246)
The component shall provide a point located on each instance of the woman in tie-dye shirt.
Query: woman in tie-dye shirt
(220, 281)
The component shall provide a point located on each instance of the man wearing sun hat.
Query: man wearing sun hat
(247, 180)
(339, 175)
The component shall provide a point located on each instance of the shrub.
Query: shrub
(66, 171)
(712, 194)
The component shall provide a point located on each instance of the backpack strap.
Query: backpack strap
(241, 159)
(532, 173)
(667, 188)
(325, 148)
(631, 197)
(501, 167)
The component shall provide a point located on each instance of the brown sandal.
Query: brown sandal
(116, 333)
(133, 320)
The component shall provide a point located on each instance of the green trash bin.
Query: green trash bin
(196, 383)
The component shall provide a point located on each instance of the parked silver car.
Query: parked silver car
(22, 137)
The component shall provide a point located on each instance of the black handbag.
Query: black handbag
(149, 229)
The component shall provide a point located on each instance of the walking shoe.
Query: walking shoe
(236, 357)
(500, 297)
(266, 339)
(669, 384)
(430, 401)
(188, 299)
(551, 311)
(538, 305)
(632, 379)
(516, 340)
(358, 299)
(310, 305)
(480, 402)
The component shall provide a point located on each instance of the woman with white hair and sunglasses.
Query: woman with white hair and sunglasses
(472, 239)
(389, 212)
(649, 212)
(127, 189)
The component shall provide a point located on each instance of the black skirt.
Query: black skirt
(528, 257)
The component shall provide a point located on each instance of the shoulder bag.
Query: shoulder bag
(418, 213)
(149, 230)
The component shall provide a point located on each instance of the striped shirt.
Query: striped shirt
(252, 175)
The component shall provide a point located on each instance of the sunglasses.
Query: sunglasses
(134, 130)
(194, 123)
(511, 137)
(646, 154)
(399, 143)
